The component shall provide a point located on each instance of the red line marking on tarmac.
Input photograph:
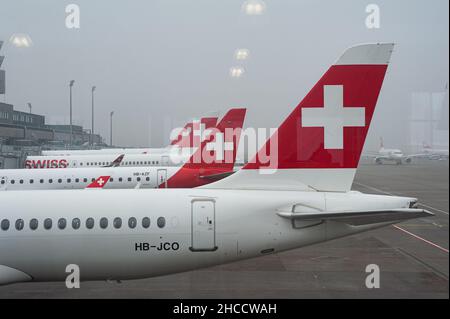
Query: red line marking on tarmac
(422, 239)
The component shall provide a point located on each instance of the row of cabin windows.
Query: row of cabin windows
(76, 223)
(76, 180)
(122, 163)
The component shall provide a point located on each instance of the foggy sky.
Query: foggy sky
(157, 63)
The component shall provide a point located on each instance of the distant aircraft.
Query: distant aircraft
(197, 171)
(300, 196)
(391, 155)
(175, 156)
(185, 139)
(433, 153)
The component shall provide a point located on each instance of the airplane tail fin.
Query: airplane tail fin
(319, 145)
(216, 155)
(116, 162)
(192, 131)
(99, 182)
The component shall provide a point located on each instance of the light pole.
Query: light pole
(29, 106)
(70, 102)
(92, 126)
(111, 128)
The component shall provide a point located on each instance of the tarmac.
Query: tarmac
(413, 256)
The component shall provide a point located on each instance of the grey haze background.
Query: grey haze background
(157, 63)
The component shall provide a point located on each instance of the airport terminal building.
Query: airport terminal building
(23, 134)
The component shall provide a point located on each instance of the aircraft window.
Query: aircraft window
(85, 180)
(77, 180)
(120, 179)
(19, 224)
(87, 163)
(95, 163)
(3, 182)
(41, 181)
(129, 179)
(5, 224)
(146, 222)
(62, 223)
(132, 222)
(48, 223)
(34, 224)
(81, 164)
(117, 222)
(111, 179)
(31, 181)
(13, 181)
(138, 179)
(147, 179)
(21, 181)
(90, 223)
(60, 180)
(161, 222)
(104, 222)
(93, 179)
(50, 180)
(76, 223)
(69, 180)
(141, 163)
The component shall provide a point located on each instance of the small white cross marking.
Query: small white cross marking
(333, 117)
(101, 182)
(198, 128)
(219, 146)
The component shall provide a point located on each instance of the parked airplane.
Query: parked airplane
(434, 153)
(198, 170)
(185, 139)
(172, 157)
(299, 196)
(391, 155)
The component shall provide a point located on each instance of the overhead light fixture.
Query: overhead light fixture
(236, 72)
(254, 7)
(20, 40)
(241, 54)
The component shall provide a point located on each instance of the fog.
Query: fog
(157, 64)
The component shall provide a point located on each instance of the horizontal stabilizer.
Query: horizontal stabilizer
(357, 218)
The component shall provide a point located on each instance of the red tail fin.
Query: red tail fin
(192, 130)
(319, 144)
(216, 154)
(99, 182)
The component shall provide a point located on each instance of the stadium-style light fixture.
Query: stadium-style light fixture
(241, 54)
(21, 40)
(254, 7)
(236, 72)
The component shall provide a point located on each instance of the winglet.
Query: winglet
(99, 182)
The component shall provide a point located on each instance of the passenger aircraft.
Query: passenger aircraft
(391, 155)
(195, 172)
(171, 157)
(434, 153)
(185, 139)
(299, 196)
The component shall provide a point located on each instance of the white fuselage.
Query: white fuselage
(436, 153)
(111, 151)
(391, 155)
(79, 178)
(174, 158)
(202, 227)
